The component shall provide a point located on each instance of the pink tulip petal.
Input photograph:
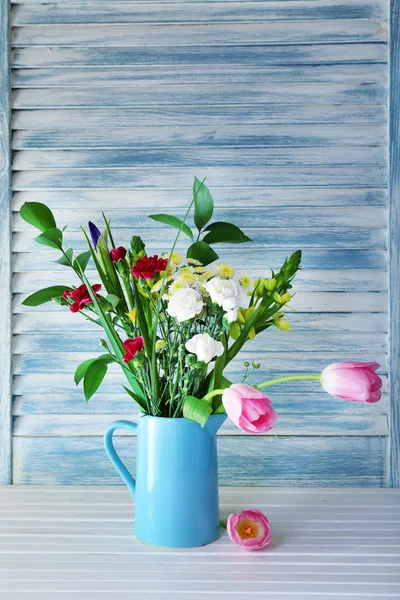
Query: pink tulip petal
(247, 391)
(232, 401)
(351, 384)
(375, 396)
(262, 530)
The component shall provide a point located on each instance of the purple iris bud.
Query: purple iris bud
(94, 233)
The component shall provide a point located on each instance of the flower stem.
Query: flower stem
(306, 377)
(264, 384)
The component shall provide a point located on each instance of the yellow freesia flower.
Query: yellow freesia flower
(132, 315)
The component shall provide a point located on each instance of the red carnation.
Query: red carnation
(118, 254)
(132, 347)
(148, 266)
(81, 296)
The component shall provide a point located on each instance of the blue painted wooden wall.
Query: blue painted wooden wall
(284, 107)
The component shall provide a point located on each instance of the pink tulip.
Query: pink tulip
(355, 381)
(249, 528)
(249, 408)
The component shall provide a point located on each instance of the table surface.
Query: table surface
(77, 543)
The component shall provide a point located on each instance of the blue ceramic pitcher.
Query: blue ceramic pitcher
(176, 486)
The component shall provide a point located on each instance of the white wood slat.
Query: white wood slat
(252, 218)
(278, 341)
(125, 35)
(202, 56)
(65, 321)
(40, 129)
(210, 12)
(168, 178)
(184, 74)
(228, 198)
(328, 461)
(309, 425)
(170, 95)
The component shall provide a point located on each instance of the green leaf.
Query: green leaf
(173, 222)
(45, 295)
(203, 204)
(66, 260)
(112, 336)
(202, 252)
(51, 238)
(82, 260)
(197, 410)
(94, 375)
(38, 215)
(113, 300)
(136, 399)
(225, 232)
(83, 367)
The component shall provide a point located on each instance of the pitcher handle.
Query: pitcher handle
(112, 454)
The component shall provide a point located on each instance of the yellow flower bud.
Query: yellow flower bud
(234, 331)
(241, 318)
(285, 298)
(270, 284)
(252, 333)
(282, 324)
(248, 312)
(160, 345)
(277, 298)
(260, 287)
(132, 316)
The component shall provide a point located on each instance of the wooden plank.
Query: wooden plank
(182, 74)
(61, 397)
(208, 12)
(254, 217)
(5, 247)
(216, 178)
(349, 280)
(278, 341)
(286, 362)
(212, 94)
(37, 160)
(261, 262)
(65, 321)
(264, 238)
(309, 425)
(171, 136)
(201, 57)
(394, 307)
(128, 35)
(232, 198)
(328, 461)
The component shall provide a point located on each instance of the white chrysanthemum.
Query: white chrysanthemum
(227, 293)
(177, 285)
(245, 281)
(185, 304)
(204, 347)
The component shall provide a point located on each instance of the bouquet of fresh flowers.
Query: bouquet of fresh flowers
(174, 323)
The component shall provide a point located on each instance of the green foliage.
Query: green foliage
(113, 300)
(202, 252)
(51, 238)
(83, 367)
(93, 377)
(82, 260)
(173, 222)
(221, 232)
(197, 410)
(66, 259)
(45, 295)
(203, 204)
(38, 215)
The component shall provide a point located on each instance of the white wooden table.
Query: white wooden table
(76, 543)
